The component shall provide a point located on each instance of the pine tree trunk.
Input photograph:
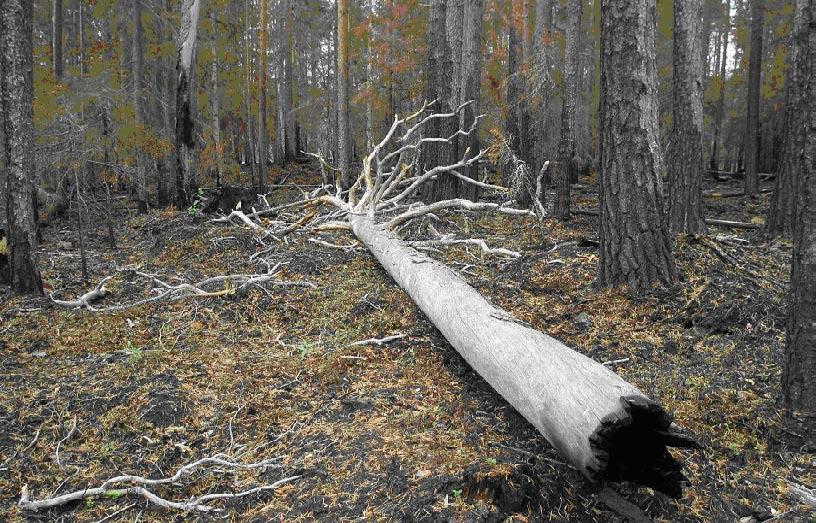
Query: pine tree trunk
(437, 86)
(514, 88)
(185, 140)
(720, 111)
(343, 124)
(782, 213)
(250, 127)
(752, 114)
(566, 143)
(685, 163)
(140, 178)
(635, 247)
(540, 60)
(263, 148)
(58, 62)
(799, 370)
(216, 109)
(16, 115)
(290, 124)
(471, 88)
(454, 20)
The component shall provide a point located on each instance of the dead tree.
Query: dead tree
(605, 427)
(751, 142)
(185, 141)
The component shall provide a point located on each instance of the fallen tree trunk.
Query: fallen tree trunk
(606, 427)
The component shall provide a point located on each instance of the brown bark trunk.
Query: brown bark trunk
(343, 124)
(140, 178)
(471, 88)
(263, 147)
(752, 111)
(720, 111)
(635, 247)
(686, 148)
(290, 122)
(799, 370)
(16, 102)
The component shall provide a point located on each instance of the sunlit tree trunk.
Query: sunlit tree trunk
(635, 247)
(16, 115)
(685, 162)
(343, 124)
(185, 140)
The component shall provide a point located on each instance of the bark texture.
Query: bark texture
(343, 124)
(603, 425)
(16, 113)
(782, 213)
(686, 148)
(289, 123)
(635, 246)
(566, 142)
(751, 147)
(799, 371)
(471, 87)
(185, 141)
(437, 87)
(263, 147)
(140, 179)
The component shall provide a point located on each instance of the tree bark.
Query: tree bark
(250, 136)
(566, 143)
(720, 110)
(752, 111)
(216, 108)
(635, 247)
(290, 122)
(16, 102)
(514, 87)
(58, 62)
(471, 89)
(686, 147)
(604, 426)
(140, 178)
(782, 213)
(799, 370)
(437, 88)
(263, 147)
(185, 140)
(343, 124)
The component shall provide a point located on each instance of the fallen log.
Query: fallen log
(731, 224)
(605, 427)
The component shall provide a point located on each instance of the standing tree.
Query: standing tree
(782, 213)
(635, 246)
(714, 164)
(343, 124)
(140, 178)
(263, 148)
(515, 87)
(751, 147)
(17, 112)
(437, 88)
(686, 147)
(471, 85)
(185, 141)
(799, 371)
(216, 106)
(56, 38)
(289, 123)
(566, 142)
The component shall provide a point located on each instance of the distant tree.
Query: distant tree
(16, 112)
(685, 153)
(782, 213)
(635, 247)
(714, 164)
(751, 146)
(215, 102)
(515, 86)
(288, 47)
(140, 179)
(263, 147)
(566, 143)
(185, 140)
(343, 87)
(799, 369)
(57, 61)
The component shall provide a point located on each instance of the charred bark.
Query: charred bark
(184, 140)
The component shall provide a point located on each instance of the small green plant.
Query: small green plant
(90, 503)
(303, 349)
(456, 493)
(491, 461)
(135, 354)
(114, 494)
(195, 207)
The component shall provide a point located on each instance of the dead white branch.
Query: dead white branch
(114, 488)
(377, 341)
(85, 300)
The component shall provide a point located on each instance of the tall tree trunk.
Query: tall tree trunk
(343, 124)
(369, 72)
(686, 147)
(263, 148)
(471, 88)
(185, 139)
(514, 86)
(16, 102)
(58, 62)
(250, 133)
(454, 20)
(752, 112)
(782, 213)
(799, 370)
(566, 143)
(635, 247)
(138, 109)
(540, 59)
(720, 110)
(290, 122)
(216, 109)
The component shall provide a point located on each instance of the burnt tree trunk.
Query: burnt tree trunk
(799, 370)
(140, 179)
(57, 62)
(685, 161)
(720, 110)
(185, 140)
(471, 88)
(263, 148)
(290, 122)
(566, 142)
(635, 247)
(343, 87)
(752, 111)
(17, 112)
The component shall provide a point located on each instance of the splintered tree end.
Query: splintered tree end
(632, 445)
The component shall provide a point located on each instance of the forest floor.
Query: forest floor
(403, 431)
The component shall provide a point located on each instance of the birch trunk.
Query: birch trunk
(185, 140)
(604, 426)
